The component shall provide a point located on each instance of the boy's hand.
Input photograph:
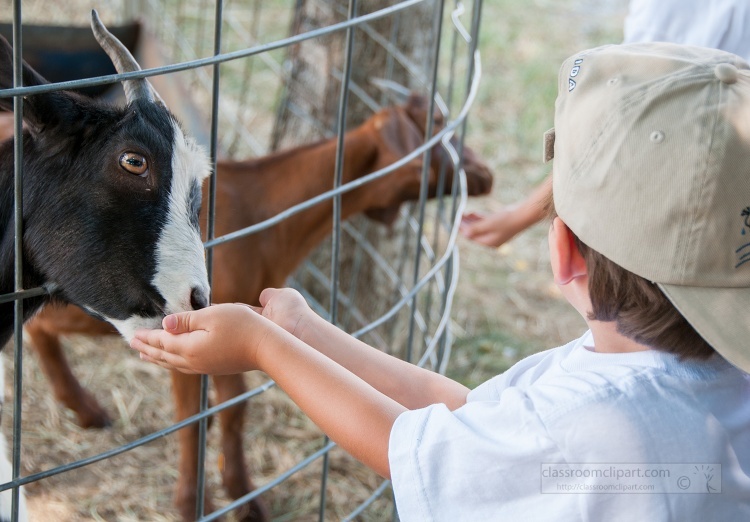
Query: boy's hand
(287, 308)
(221, 339)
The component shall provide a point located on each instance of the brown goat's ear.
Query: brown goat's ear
(386, 215)
(400, 136)
(416, 102)
(399, 133)
(416, 108)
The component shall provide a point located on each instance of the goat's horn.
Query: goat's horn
(395, 89)
(123, 62)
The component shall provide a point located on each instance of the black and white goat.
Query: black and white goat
(111, 198)
(110, 202)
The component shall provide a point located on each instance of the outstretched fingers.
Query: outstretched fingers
(154, 346)
(472, 225)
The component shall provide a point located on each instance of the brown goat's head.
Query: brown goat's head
(402, 128)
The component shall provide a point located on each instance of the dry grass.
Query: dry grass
(137, 485)
(505, 308)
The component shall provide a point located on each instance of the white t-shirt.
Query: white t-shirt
(572, 410)
(720, 24)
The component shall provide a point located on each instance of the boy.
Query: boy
(639, 419)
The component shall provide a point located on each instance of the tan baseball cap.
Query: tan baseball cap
(652, 170)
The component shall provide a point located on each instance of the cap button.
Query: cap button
(726, 72)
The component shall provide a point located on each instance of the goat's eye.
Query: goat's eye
(134, 163)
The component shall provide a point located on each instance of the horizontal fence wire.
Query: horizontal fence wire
(436, 266)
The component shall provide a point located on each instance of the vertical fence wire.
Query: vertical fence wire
(407, 288)
(18, 250)
(336, 234)
(472, 38)
(213, 153)
(437, 30)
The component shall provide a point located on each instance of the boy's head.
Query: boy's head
(652, 171)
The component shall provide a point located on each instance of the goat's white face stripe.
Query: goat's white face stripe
(180, 260)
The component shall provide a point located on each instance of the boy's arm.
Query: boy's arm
(411, 386)
(408, 384)
(225, 339)
(352, 413)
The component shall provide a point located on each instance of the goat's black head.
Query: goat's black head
(111, 200)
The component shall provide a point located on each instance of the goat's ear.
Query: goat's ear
(399, 136)
(386, 216)
(416, 105)
(416, 102)
(40, 109)
(398, 132)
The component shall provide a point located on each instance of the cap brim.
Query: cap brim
(720, 316)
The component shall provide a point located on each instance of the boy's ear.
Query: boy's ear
(39, 110)
(567, 261)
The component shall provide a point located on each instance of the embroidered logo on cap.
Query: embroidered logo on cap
(743, 253)
(573, 73)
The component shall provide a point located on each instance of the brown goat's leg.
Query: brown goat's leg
(234, 473)
(186, 390)
(64, 384)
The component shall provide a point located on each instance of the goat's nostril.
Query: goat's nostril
(198, 299)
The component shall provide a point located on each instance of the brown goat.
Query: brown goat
(249, 192)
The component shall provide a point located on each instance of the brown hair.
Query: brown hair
(639, 308)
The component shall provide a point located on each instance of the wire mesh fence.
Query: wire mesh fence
(254, 77)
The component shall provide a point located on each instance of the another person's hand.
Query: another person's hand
(220, 339)
(492, 229)
(495, 229)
